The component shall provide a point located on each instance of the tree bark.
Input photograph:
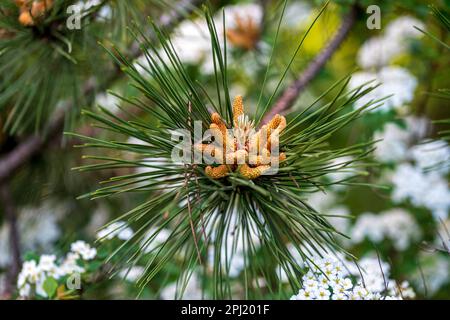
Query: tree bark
(10, 214)
(34, 144)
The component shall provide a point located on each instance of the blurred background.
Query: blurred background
(50, 71)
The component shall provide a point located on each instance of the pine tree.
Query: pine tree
(212, 211)
(197, 205)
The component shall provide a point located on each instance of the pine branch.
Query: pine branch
(14, 237)
(291, 94)
(235, 210)
(35, 144)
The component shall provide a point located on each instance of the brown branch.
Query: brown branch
(14, 238)
(291, 94)
(34, 144)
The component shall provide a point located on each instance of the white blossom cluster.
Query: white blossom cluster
(154, 238)
(433, 155)
(421, 175)
(192, 42)
(32, 277)
(379, 51)
(395, 141)
(341, 172)
(83, 7)
(329, 279)
(192, 291)
(132, 274)
(396, 87)
(423, 189)
(376, 278)
(397, 225)
(38, 227)
(117, 229)
(108, 101)
(297, 13)
(434, 272)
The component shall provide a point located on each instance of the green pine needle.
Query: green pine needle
(209, 220)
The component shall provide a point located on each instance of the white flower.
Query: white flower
(322, 201)
(70, 266)
(395, 82)
(47, 263)
(309, 276)
(117, 229)
(83, 6)
(403, 290)
(341, 170)
(396, 225)
(21, 279)
(251, 11)
(192, 291)
(347, 284)
(402, 28)
(105, 12)
(339, 218)
(25, 291)
(296, 14)
(311, 284)
(432, 155)
(324, 281)
(304, 294)
(322, 294)
(367, 226)
(395, 140)
(339, 296)
(29, 275)
(418, 127)
(83, 249)
(132, 274)
(423, 189)
(375, 273)
(154, 239)
(192, 41)
(360, 293)
(32, 277)
(393, 145)
(108, 101)
(434, 271)
(38, 227)
(378, 52)
(409, 183)
(315, 287)
(40, 286)
(30, 272)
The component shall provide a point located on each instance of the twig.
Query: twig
(186, 180)
(291, 94)
(422, 276)
(381, 268)
(34, 144)
(14, 237)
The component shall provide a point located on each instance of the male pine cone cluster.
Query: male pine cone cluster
(32, 10)
(238, 156)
